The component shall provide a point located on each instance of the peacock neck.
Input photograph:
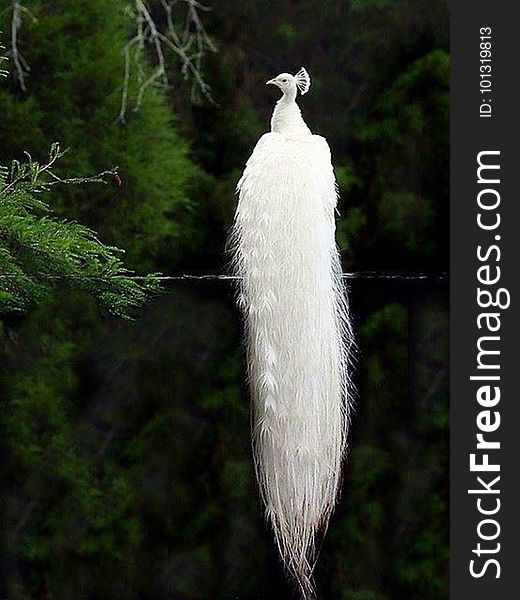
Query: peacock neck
(289, 95)
(287, 117)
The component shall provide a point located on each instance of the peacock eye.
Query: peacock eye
(284, 80)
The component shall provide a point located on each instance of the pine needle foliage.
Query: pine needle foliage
(40, 252)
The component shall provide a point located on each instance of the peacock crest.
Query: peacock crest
(303, 81)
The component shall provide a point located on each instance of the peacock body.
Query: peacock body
(297, 327)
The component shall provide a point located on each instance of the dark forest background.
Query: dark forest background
(126, 467)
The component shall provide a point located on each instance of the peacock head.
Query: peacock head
(289, 84)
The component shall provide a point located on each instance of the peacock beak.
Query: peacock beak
(271, 82)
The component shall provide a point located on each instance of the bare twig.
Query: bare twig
(126, 79)
(20, 64)
(188, 47)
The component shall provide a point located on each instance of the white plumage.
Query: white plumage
(297, 326)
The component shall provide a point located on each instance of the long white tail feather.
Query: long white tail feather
(298, 338)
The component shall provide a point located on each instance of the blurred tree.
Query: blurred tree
(127, 468)
(73, 94)
(75, 52)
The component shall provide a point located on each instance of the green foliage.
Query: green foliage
(39, 252)
(75, 51)
(46, 461)
(410, 121)
(407, 219)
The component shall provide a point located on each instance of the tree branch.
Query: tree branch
(189, 49)
(20, 64)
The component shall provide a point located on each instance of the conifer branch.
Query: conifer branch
(39, 251)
